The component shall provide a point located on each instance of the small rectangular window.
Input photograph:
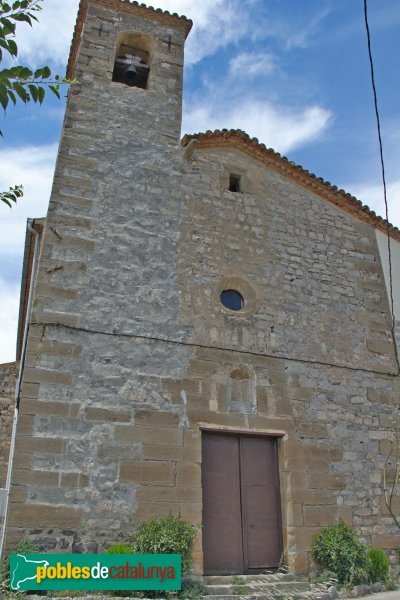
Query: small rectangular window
(235, 183)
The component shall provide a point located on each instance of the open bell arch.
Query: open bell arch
(133, 59)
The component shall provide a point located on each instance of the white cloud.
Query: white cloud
(304, 31)
(9, 306)
(32, 166)
(216, 23)
(199, 12)
(281, 128)
(372, 196)
(251, 64)
(49, 39)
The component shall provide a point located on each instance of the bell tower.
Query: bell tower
(120, 48)
(104, 272)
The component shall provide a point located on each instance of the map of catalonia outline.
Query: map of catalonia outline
(16, 585)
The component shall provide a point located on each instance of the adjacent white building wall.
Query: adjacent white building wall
(395, 255)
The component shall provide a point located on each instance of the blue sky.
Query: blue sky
(293, 73)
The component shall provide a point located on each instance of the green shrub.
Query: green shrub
(69, 594)
(192, 589)
(359, 576)
(119, 549)
(24, 546)
(338, 549)
(391, 583)
(8, 595)
(378, 565)
(166, 535)
(326, 576)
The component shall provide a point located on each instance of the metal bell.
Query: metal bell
(131, 75)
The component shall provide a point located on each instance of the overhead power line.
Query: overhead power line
(195, 345)
(378, 123)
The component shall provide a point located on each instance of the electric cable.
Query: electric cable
(207, 347)
(371, 63)
(279, 356)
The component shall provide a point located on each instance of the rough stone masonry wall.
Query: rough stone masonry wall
(397, 335)
(104, 266)
(314, 272)
(315, 286)
(130, 352)
(8, 377)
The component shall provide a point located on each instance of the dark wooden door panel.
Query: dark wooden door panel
(262, 545)
(222, 527)
(260, 535)
(241, 504)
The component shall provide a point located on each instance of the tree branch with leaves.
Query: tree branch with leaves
(391, 477)
(20, 83)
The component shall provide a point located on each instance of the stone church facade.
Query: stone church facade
(210, 333)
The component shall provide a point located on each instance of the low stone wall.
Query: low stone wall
(98, 596)
(8, 378)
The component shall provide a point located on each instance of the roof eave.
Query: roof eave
(36, 224)
(339, 197)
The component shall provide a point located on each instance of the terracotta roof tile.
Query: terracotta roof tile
(268, 156)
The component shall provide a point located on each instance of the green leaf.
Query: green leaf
(12, 195)
(12, 48)
(5, 82)
(34, 92)
(16, 5)
(14, 72)
(45, 72)
(54, 89)
(42, 94)
(22, 93)
(8, 26)
(22, 17)
(12, 96)
(25, 73)
(4, 44)
(3, 97)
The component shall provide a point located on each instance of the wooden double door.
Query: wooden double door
(242, 530)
